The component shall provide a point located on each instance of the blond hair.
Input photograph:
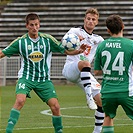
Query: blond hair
(92, 11)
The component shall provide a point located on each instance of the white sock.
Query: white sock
(85, 80)
(88, 92)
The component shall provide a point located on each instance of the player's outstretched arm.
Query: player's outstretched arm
(1, 54)
(78, 51)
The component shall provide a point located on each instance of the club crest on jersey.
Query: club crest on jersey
(36, 56)
(29, 47)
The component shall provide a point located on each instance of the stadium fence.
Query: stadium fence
(9, 68)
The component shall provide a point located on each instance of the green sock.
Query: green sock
(108, 129)
(14, 115)
(57, 123)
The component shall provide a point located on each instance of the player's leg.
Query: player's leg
(19, 103)
(99, 114)
(127, 105)
(84, 68)
(80, 70)
(56, 118)
(45, 90)
(15, 112)
(71, 71)
(108, 125)
(13, 118)
(110, 112)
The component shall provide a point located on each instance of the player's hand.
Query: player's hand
(82, 48)
(81, 38)
(1, 54)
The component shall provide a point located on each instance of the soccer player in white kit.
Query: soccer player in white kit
(77, 67)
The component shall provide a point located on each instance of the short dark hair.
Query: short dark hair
(114, 23)
(31, 16)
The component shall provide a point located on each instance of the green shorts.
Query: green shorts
(110, 106)
(45, 90)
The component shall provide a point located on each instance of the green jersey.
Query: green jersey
(114, 57)
(35, 55)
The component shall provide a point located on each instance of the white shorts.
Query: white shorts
(72, 74)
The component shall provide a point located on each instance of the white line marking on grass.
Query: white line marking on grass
(48, 112)
(35, 128)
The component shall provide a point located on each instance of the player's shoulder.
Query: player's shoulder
(24, 36)
(75, 29)
(49, 37)
(127, 39)
(97, 39)
(44, 35)
(128, 42)
(97, 36)
(21, 37)
(15, 41)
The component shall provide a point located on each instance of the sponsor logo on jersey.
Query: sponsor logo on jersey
(36, 56)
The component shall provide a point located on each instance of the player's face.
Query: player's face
(90, 21)
(33, 28)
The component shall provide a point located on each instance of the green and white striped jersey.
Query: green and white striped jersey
(35, 56)
(114, 57)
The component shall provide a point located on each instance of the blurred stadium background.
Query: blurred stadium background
(57, 17)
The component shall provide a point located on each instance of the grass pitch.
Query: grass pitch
(36, 117)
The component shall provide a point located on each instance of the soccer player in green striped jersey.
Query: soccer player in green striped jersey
(114, 59)
(35, 50)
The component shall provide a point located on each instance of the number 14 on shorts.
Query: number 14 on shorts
(21, 86)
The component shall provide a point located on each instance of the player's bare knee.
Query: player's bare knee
(83, 64)
(20, 101)
(55, 109)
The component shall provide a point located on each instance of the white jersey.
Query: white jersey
(92, 40)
